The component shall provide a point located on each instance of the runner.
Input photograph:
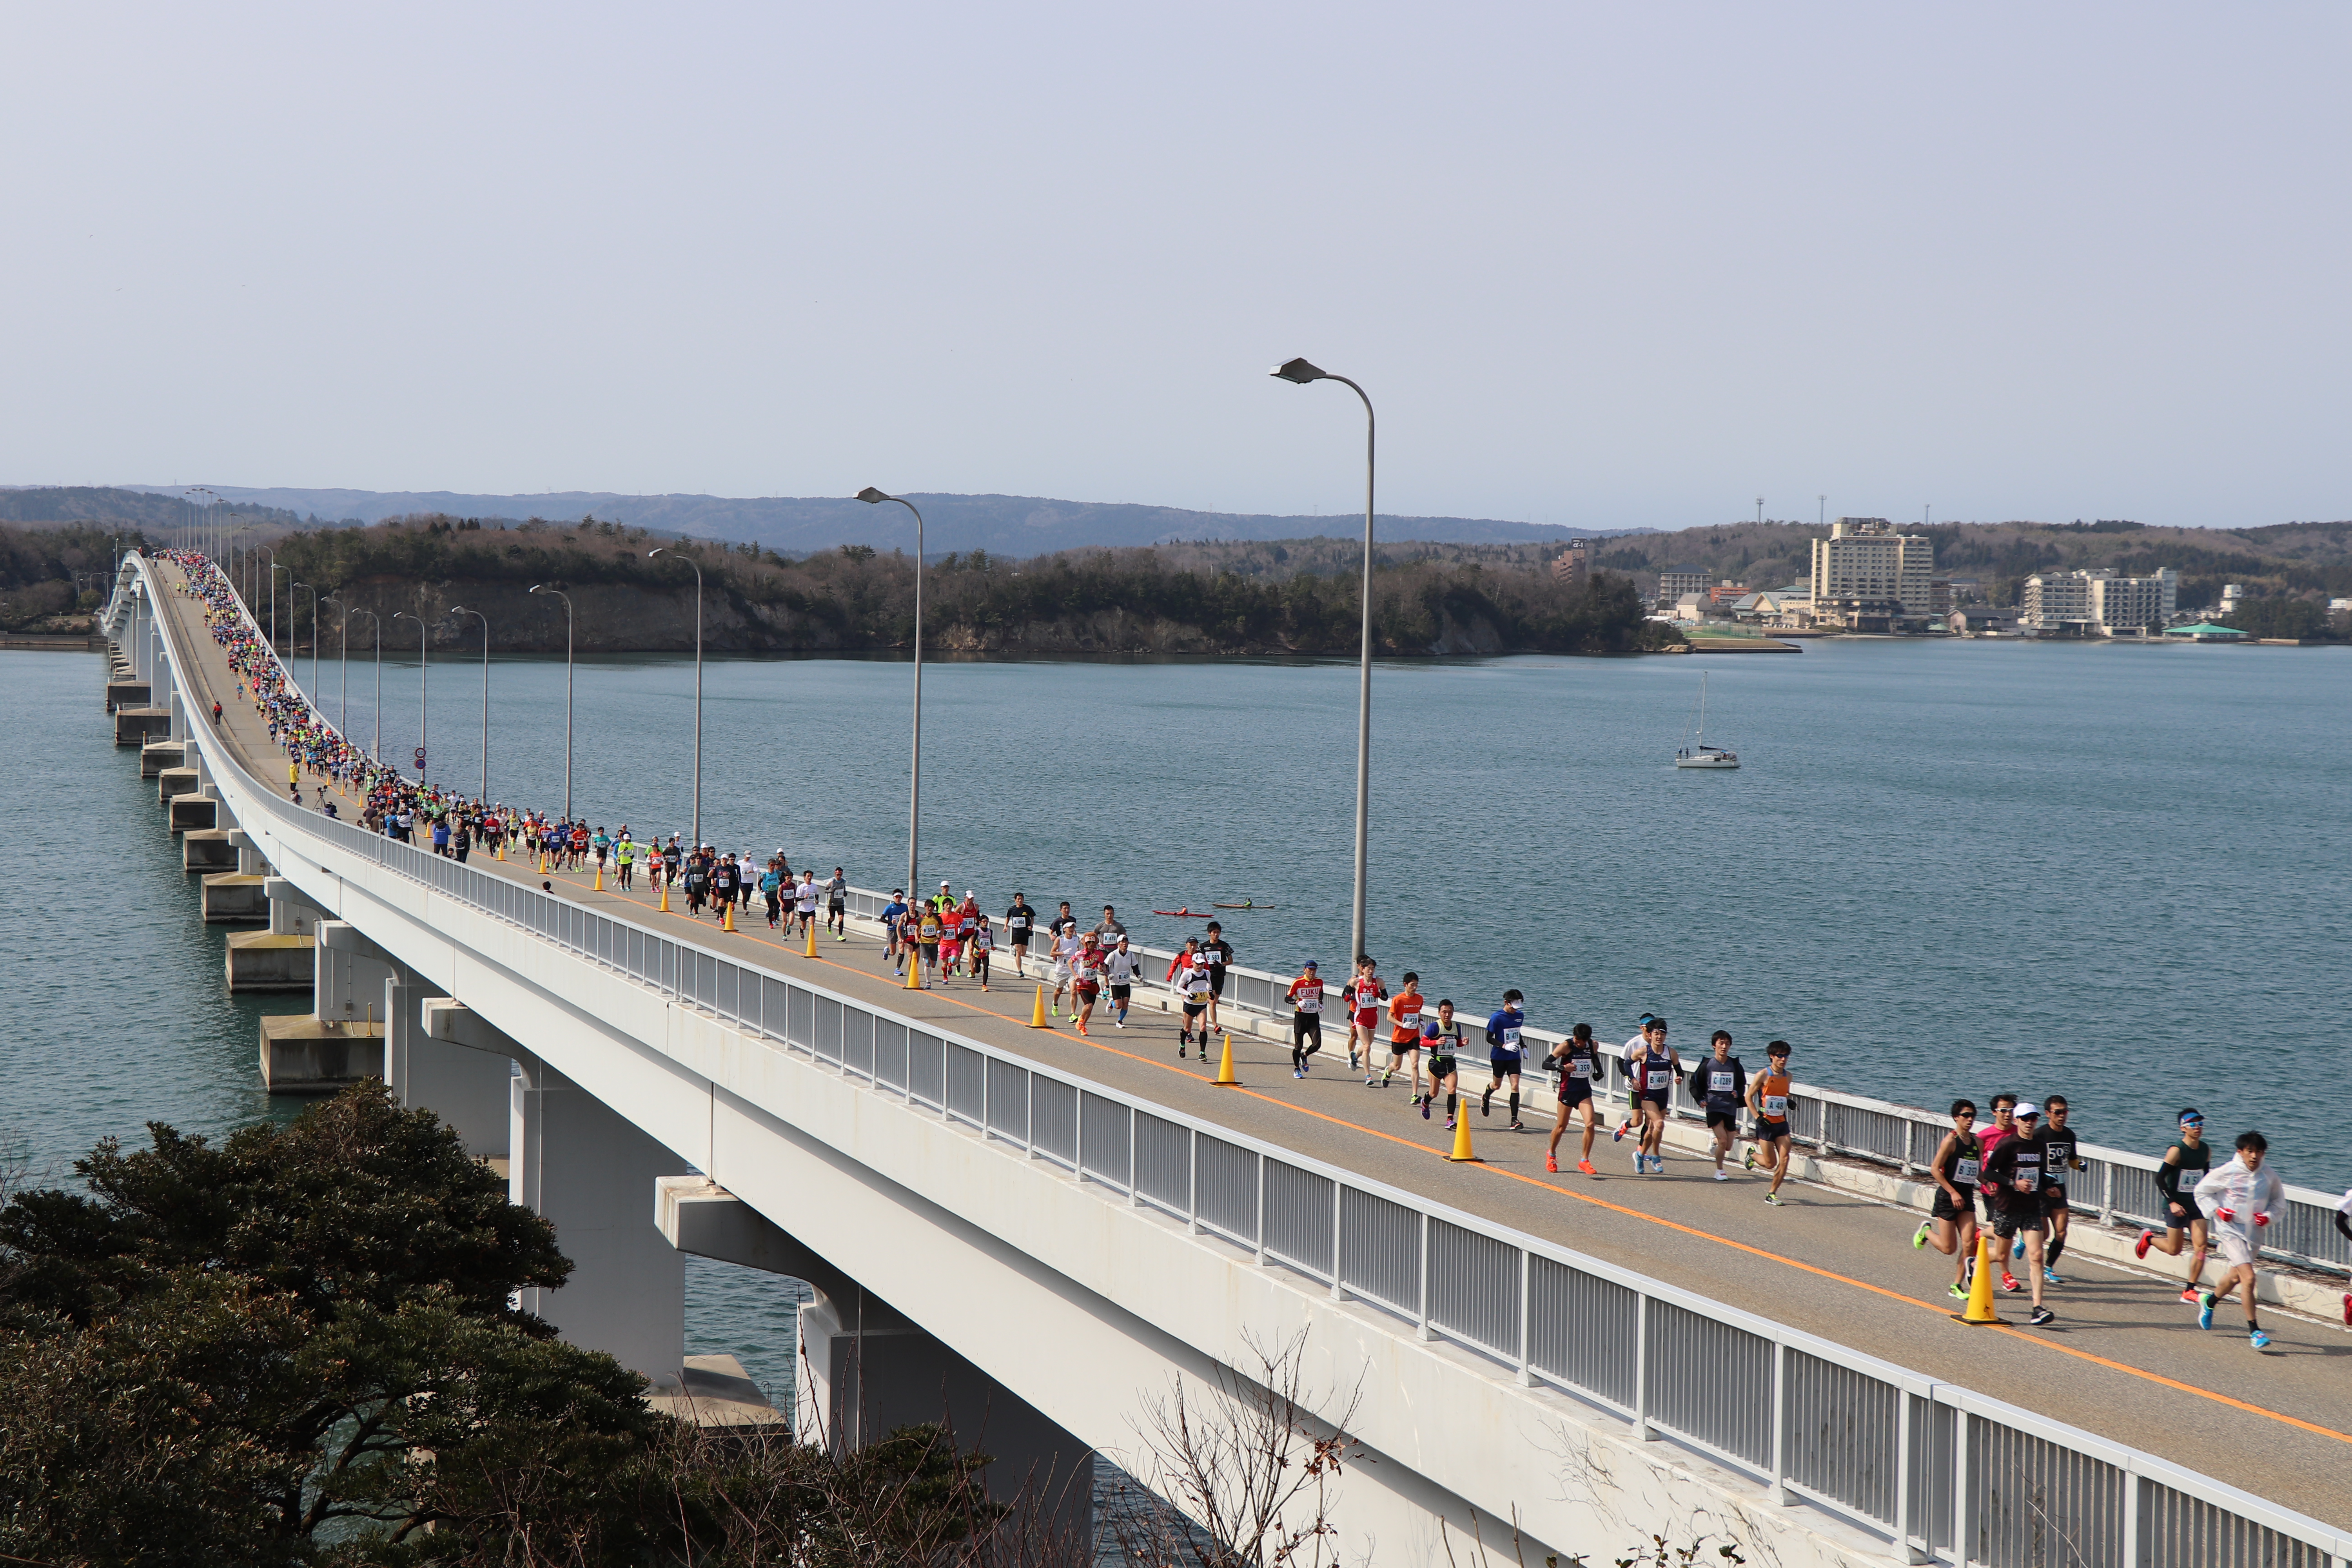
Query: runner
(603, 847)
(929, 929)
(625, 855)
(1220, 953)
(1086, 982)
(2058, 1157)
(805, 904)
(910, 939)
(1505, 1054)
(2184, 1165)
(1442, 1037)
(698, 884)
(1121, 965)
(894, 914)
(1365, 994)
(1108, 929)
(1768, 1097)
(1189, 975)
(968, 922)
(1576, 1062)
(950, 945)
(2011, 1177)
(1653, 1065)
(722, 884)
(772, 888)
(1719, 1086)
(836, 906)
(1065, 938)
(1404, 1032)
(978, 946)
(2243, 1198)
(1017, 922)
(1305, 999)
(1951, 1224)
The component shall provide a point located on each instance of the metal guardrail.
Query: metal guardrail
(1944, 1474)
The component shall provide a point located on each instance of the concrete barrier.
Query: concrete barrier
(305, 1054)
(266, 961)
(231, 898)
(206, 849)
(192, 810)
(137, 726)
(156, 755)
(125, 693)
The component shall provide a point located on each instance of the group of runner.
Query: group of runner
(2016, 1167)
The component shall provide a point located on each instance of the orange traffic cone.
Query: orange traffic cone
(543, 864)
(1037, 1014)
(726, 915)
(1226, 1078)
(600, 878)
(502, 848)
(1980, 1308)
(812, 939)
(914, 972)
(1462, 1154)
(664, 903)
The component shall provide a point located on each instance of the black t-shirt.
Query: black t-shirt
(1219, 952)
(1017, 921)
(2012, 1172)
(1720, 1085)
(2057, 1151)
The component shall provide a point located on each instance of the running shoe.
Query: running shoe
(1919, 1237)
(1722, 1175)
(2009, 1282)
(1640, 1164)
(1772, 1198)
(2205, 1309)
(2139, 1248)
(1957, 1293)
(2043, 1317)
(1586, 1166)
(1486, 1101)
(2189, 1297)
(1425, 1108)
(1295, 1073)
(1180, 1049)
(1370, 1082)
(1619, 1136)
(1449, 1124)
(1517, 1125)
(1751, 1158)
(2017, 1247)
(1115, 1023)
(2259, 1340)
(2049, 1276)
(1384, 1080)
(1551, 1162)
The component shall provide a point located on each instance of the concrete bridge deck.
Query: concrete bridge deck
(2125, 1359)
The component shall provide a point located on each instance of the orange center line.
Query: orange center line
(1892, 1295)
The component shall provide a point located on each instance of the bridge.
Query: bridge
(1052, 1229)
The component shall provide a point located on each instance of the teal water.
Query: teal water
(1946, 869)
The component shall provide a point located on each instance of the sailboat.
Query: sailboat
(1699, 754)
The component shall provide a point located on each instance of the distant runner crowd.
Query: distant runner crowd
(2006, 1179)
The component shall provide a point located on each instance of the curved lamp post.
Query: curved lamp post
(342, 665)
(461, 610)
(375, 753)
(422, 674)
(873, 496)
(292, 602)
(1302, 373)
(544, 588)
(697, 683)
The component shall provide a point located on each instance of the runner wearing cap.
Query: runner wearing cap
(2012, 1180)
(836, 906)
(2183, 1166)
(1306, 998)
(1086, 983)
(893, 913)
(1121, 965)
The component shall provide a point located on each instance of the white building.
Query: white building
(1675, 582)
(1866, 564)
(2099, 604)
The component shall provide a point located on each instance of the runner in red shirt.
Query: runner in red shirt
(1365, 994)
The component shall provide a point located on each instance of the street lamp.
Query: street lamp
(274, 570)
(873, 496)
(375, 752)
(344, 664)
(1302, 373)
(544, 588)
(461, 610)
(422, 674)
(291, 603)
(697, 683)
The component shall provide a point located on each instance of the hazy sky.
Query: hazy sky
(1605, 265)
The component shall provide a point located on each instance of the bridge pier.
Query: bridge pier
(590, 1171)
(444, 1057)
(341, 1039)
(866, 1368)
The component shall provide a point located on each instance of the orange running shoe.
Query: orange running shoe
(1586, 1166)
(1550, 1162)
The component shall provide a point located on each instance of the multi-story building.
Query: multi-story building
(1674, 582)
(1865, 569)
(1573, 566)
(1726, 592)
(2099, 604)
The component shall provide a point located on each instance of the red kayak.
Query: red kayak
(1184, 914)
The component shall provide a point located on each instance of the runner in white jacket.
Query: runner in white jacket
(2241, 1199)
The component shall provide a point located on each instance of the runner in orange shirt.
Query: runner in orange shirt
(1404, 1034)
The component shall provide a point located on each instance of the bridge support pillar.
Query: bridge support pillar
(590, 1171)
(444, 1059)
(291, 913)
(866, 1369)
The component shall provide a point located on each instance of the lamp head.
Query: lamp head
(651, 554)
(1300, 371)
(535, 587)
(871, 496)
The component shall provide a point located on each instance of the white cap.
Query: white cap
(2027, 1108)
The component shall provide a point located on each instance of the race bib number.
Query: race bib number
(1660, 1076)
(1776, 1106)
(1720, 1082)
(1578, 1068)
(1310, 1003)
(1410, 1020)
(1967, 1173)
(1510, 1037)
(1020, 922)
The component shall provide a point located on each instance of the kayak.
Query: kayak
(1247, 904)
(1184, 914)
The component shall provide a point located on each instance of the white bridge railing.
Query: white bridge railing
(1942, 1473)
